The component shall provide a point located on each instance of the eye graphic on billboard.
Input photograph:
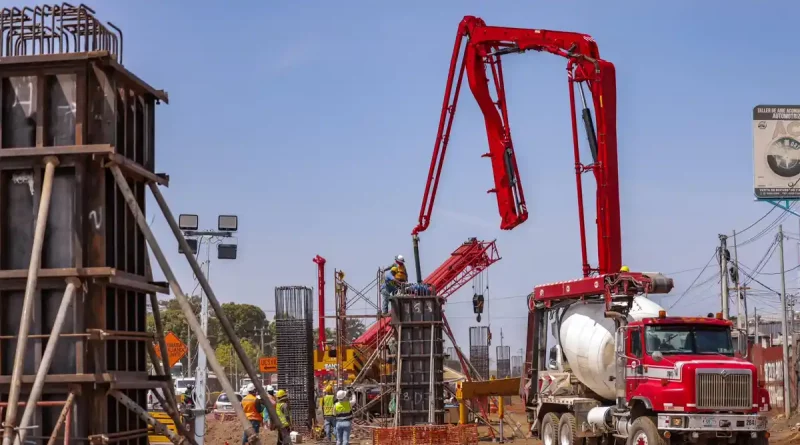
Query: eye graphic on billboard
(776, 151)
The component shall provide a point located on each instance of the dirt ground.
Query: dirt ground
(782, 432)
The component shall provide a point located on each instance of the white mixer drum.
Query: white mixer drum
(587, 341)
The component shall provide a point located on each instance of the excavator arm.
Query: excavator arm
(485, 45)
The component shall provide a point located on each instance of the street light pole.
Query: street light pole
(227, 225)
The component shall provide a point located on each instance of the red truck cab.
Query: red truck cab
(688, 365)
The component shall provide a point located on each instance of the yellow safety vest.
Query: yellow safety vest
(283, 413)
(401, 275)
(249, 407)
(328, 402)
(343, 410)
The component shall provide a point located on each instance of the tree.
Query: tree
(228, 359)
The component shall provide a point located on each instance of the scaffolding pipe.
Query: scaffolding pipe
(212, 300)
(127, 402)
(47, 360)
(27, 304)
(65, 418)
(186, 307)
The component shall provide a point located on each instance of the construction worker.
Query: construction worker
(389, 287)
(284, 416)
(252, 407)
(326, 404)
(344, 415)
(401, 275)
(271, 396)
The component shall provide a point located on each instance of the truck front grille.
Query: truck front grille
(724, 389)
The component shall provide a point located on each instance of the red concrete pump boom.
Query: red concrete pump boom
(484, 47)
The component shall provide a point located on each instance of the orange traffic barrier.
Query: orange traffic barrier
(427, 435)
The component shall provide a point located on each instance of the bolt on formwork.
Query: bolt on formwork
(293, 326)
(479, 350)
(77, 154)
(516, 365)
(419, 388)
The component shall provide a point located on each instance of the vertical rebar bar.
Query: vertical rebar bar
(27, 305)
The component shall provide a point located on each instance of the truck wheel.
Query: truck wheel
(549, 429)
(644, 432)
(567, 430)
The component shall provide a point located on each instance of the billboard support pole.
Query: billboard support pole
(783, 204)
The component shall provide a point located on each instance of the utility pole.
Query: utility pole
(741, 313)
(785, 326)
(723, 274)
(202, 371)
(263, 353)
(188, 351)
(755, 318)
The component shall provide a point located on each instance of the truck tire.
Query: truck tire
(644, 432)
(549, 431)
(567, 430)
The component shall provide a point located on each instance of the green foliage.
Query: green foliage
(247, 321)
(226, 356)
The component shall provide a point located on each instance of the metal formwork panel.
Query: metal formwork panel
(293, 326)
(479, 350)
(65, 93)
(418, 321)
(503, 362)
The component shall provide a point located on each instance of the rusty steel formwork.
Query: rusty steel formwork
(67, 109)
(418, 381)
(77, 153)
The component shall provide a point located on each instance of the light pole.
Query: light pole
(227, 225)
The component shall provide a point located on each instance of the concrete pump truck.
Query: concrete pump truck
(620, 369)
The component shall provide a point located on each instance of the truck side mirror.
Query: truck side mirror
(742, 343)
(657, 356)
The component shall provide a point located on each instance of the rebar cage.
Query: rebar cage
(479, 350)
(294, 329)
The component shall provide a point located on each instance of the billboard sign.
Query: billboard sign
(776, 151)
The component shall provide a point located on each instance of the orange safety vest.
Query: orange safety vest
(249, 407)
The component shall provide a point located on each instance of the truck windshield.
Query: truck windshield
(688, 339)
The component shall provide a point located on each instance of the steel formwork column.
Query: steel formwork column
(417, 318)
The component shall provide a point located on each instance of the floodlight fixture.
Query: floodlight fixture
(226, 251)
(192, 242)
(228, 223)
(188, 222)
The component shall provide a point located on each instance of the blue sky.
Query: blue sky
(315, 122)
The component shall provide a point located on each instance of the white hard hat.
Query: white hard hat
(341, 395)
(251, 388)
(400, 259)
(270, 388)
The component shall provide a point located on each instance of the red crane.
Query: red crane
(485, 45)
(464, 264)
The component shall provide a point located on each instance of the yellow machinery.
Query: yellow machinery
(493, 387)
(163, 418)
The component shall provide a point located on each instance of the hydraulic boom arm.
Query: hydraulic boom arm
(484, 47)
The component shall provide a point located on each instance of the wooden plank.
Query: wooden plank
(135, 170)
(66, 150)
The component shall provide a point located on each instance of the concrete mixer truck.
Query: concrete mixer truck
(620, 369)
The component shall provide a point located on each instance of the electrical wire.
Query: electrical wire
(714, 255)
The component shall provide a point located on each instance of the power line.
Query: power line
(714, 255)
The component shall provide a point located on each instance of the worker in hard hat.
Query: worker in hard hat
(344, 416)
(624, 269)
(252, 407)
(271, 397)
(326, 404)
(284, 416)
(389, 287)
(401, 275)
